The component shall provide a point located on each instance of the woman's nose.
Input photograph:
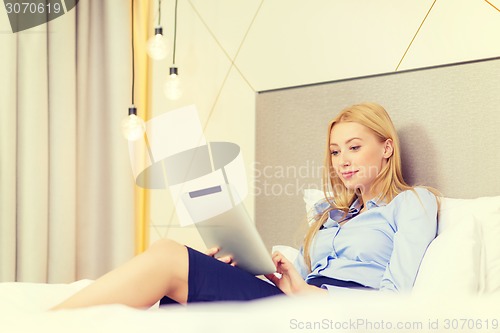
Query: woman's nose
(344, 162)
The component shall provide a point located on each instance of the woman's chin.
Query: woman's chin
(350, 185)
(354, 187)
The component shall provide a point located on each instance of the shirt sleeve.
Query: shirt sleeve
(416, 223)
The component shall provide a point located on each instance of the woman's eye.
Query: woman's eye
(355, 147)
(334, 152)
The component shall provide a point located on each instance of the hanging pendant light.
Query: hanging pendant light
(172, 87)
(133, 127)
(157, 46)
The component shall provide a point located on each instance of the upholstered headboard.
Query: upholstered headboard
(447, 117)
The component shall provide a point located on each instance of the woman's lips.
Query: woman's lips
(348, 174)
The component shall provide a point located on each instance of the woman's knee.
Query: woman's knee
(167, 251)
(164, 246)
(170, 258)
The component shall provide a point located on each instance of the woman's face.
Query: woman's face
(357, 155)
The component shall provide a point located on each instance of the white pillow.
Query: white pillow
(491, 237)
(451, 263)
(482, 208)
(486, 211)
(312, 196)
(289, 252)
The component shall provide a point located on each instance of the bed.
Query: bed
(447, 118)
(23, 310)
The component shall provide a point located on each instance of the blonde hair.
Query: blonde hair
(389, 180)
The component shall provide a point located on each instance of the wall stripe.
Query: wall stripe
(416, 33)
(492, 5)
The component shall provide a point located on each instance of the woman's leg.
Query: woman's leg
(142, 281)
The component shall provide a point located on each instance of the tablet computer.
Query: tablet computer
(223, 222)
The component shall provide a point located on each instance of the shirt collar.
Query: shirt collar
(337, 216)
(375, 202)
(356, 206)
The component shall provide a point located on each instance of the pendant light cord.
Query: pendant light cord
(175, 32)
(133, 57)
(159, 12)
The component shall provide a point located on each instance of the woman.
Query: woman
(371, 231)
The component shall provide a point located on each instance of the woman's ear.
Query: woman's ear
(388, 148)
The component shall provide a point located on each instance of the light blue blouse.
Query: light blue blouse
(381, 248)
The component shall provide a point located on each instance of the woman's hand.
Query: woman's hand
(290, 281)
(227, 259)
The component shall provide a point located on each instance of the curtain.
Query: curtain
(66, 188)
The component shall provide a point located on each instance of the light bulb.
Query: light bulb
(133, 127)
(172, 87)
(157, 45)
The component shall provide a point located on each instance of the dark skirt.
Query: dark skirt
(212, 280)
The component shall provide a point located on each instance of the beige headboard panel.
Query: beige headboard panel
(447, 117)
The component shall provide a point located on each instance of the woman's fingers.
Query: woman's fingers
(278, 255)
(273, 278)
(226, 259)
(212, 251)
(280, 261)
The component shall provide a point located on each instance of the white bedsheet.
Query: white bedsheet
(457, 290)
(23, 308)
